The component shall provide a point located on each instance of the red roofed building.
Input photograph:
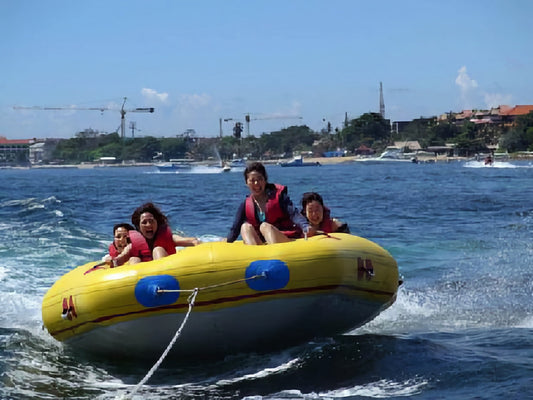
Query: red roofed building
(14, 151)
(509, 116)
(364, 151)
(15, 142)
(519, 110)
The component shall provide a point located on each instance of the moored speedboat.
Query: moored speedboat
(250, 298)
(175, 165)
(237, 163)
(298, 161)
(391, 154)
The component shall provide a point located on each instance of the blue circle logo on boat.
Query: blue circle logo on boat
(275, 275)
(146, 290)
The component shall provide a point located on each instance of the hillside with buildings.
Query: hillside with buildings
(466, 133)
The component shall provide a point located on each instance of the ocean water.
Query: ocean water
(461, 328)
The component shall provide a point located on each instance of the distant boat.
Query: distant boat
(391, 154)
(490, 159)
(237, 163)
(226, 168)
(175, 165)
(298, 161)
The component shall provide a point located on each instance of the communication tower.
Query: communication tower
(381, 101)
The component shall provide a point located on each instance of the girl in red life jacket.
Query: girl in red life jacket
(319, 216)
(267, 214)
(119, 249)
(152, 224)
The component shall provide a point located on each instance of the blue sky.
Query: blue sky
(198, 61)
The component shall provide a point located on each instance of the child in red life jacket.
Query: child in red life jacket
(318, 215)
(119, 249)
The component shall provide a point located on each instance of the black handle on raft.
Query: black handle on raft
(99, 264)
(325, 234)
(95, 267)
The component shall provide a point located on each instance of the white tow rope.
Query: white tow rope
(191, 299)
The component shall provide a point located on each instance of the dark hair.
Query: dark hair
(309, 197)
(258, 167)
(126, 226)
(152, 209)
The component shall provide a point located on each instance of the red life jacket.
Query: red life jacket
(139, 247)
(327, 224)
(163, 238)
(273, 214)
(113, 252)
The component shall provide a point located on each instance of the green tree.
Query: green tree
(421, 130)
(520, 136)
(174, 147)
(442, 133)
(289, 140)
(228, 146)
(368, 129)
(141, 149)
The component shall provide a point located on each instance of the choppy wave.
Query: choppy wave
(496, 164)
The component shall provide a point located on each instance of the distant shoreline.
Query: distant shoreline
(321, 160)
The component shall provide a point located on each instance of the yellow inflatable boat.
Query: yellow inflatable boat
(249, 298)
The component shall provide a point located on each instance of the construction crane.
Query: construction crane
(122, 110)
(220, 123)
(247, 118)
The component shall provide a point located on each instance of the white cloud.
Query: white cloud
(464, 81)
(292, 111)
(151, 94)
(195, 101)
(471, 95)
(497, 99)
(192, 112)
(468, 87)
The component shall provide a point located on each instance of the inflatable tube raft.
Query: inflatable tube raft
(250, 298)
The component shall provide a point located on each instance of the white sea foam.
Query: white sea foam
(17, 202)
(210, 238)
(497, 164)
(199, 169)
(439, 308)
(206, 170)
(46, 371)
(262, 373)
(52, 199)
(526, 322)
(411, 312)
(20, 310)
(3, 273)
(383, 388)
